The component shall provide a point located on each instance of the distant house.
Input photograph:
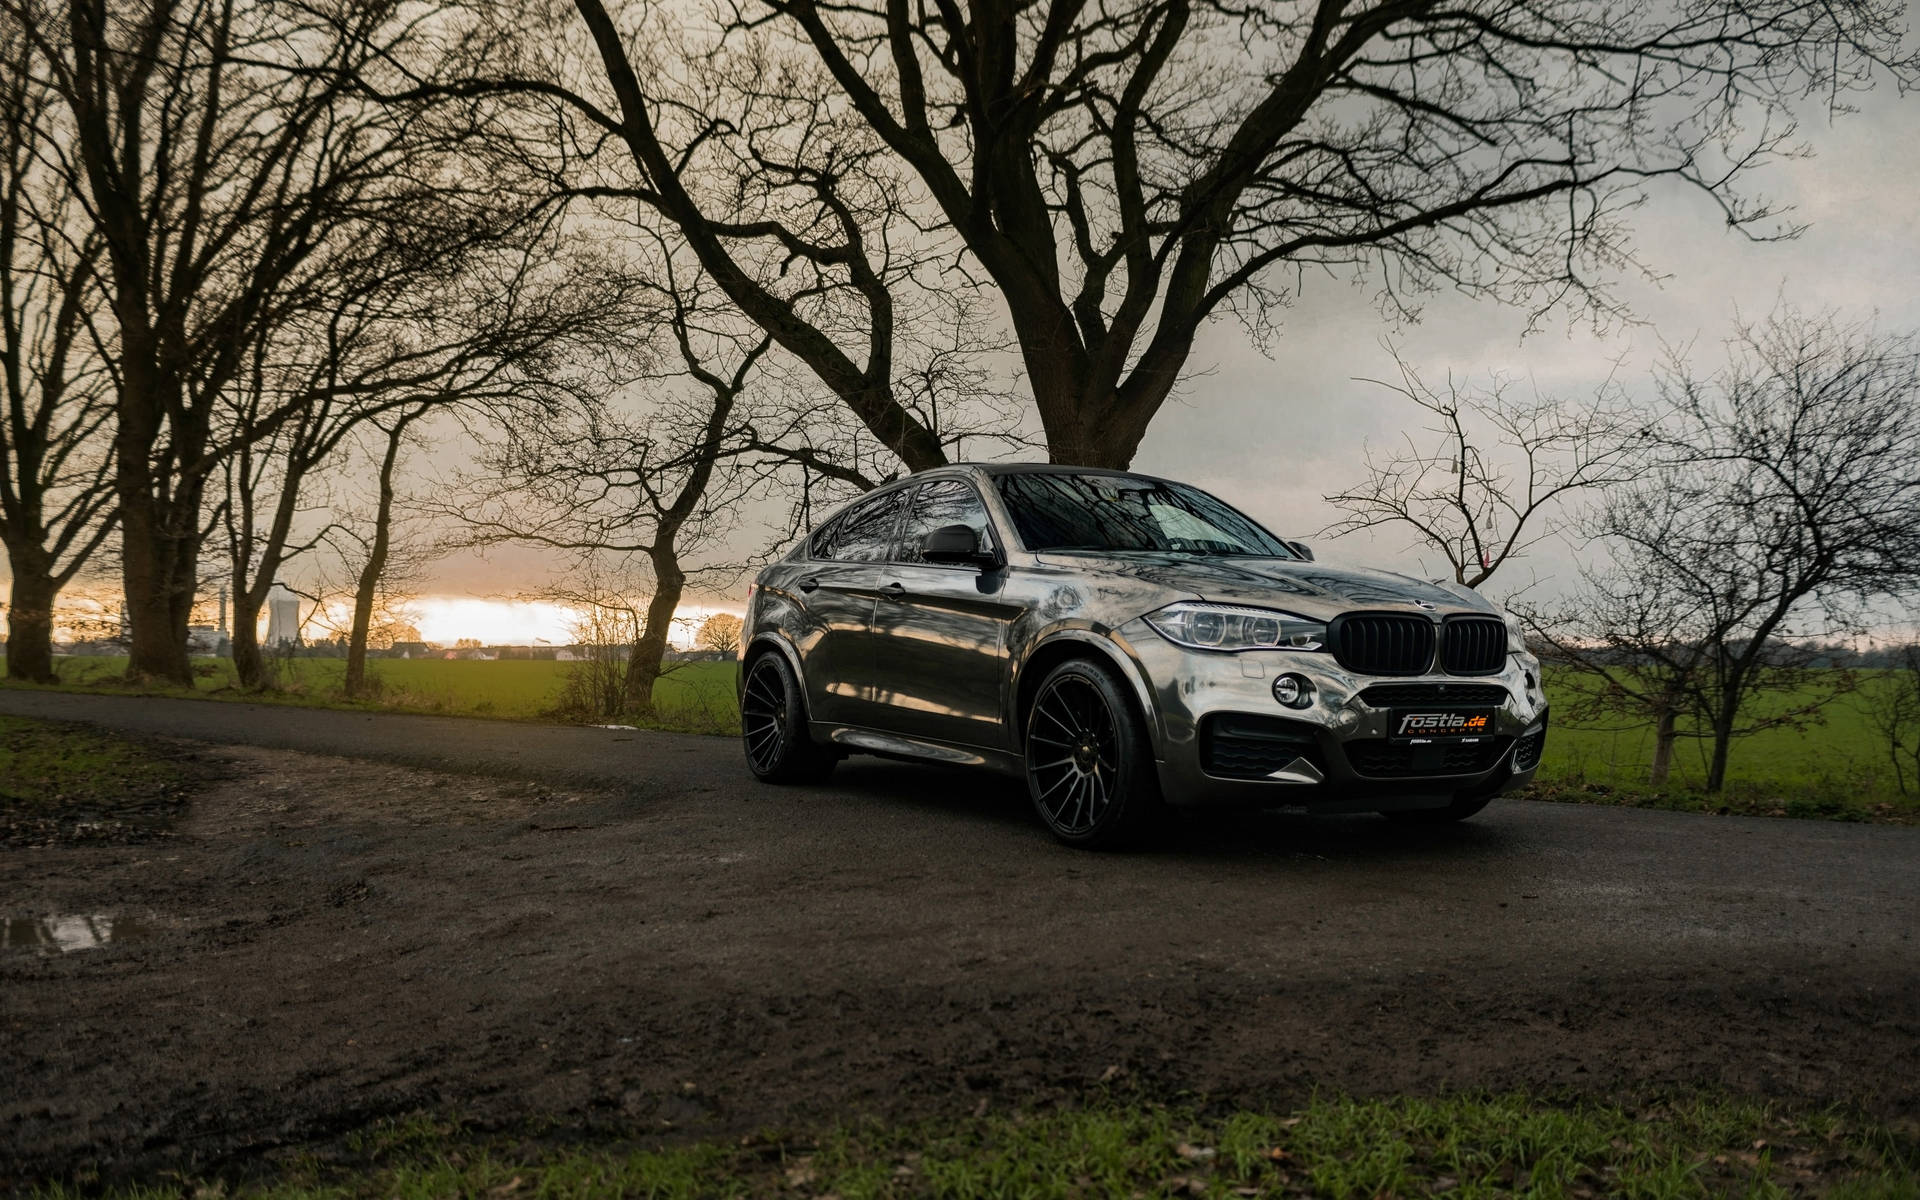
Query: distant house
(410, 650)
(584, 653)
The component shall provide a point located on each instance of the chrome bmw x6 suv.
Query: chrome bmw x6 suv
(1122, 642)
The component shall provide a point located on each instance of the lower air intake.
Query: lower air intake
(1527, 751)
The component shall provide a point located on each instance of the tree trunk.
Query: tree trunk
(1722, 745)
(355, 680)
(1663, 739)
(30, 622)
(368, 586)
(157, 620)
(248, 661)
(643, 664)
(159, 549)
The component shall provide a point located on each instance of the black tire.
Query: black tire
(773, 726)
(1090, 769)
(1459, 810)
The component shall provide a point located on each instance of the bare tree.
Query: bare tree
(230, 172)
(1633, 645)
(56, 461)
(1119, 175)
(660, 489)
(374, 570)
(1787, 501)
(478, 316)
(1492, 474)
(1893, 705)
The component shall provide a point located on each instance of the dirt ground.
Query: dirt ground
(322, 941)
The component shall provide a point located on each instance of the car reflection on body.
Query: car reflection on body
(1125, 642)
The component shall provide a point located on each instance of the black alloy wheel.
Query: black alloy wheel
(1089, 770)
(773, 725)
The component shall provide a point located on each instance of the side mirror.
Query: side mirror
(1302, 549)
(955, 544)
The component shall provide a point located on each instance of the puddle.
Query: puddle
(68, 932)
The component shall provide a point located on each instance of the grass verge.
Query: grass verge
(1460, 1146)
(1742, 798)
(62, 782)
(690, 698)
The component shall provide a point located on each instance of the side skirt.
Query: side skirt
(855, 739)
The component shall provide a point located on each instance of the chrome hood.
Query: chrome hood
(1308, 589)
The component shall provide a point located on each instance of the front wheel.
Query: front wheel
(1089, 765)
(773, 726)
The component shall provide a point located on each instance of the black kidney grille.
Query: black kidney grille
(1474, 646)
(1402, 695)
(1381, 759)
(1384, 644)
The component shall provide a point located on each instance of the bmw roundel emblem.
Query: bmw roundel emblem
(1425, 605)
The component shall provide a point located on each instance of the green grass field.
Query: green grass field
(694, 696)
(1835, 767)
(1345, 1149)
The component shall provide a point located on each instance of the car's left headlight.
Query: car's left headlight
(1206, 626)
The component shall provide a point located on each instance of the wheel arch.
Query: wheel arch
(1065, 644)
(771, 643)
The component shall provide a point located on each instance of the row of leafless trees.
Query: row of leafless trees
(1745, 517)
(660, 258)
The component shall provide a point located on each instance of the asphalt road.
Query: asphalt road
(684, 947)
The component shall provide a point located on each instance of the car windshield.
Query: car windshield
(1068, 511)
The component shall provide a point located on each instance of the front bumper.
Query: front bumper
(1345, 762)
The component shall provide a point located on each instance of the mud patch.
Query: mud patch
(332, 941)
(62, 783)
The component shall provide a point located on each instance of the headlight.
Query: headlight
(1230, 627)
(1516, 633)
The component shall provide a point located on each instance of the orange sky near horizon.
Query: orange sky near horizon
(440, 619)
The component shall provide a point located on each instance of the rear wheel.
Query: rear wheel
(773, 726)
(1089, 764)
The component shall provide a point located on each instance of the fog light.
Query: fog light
(1294, 691)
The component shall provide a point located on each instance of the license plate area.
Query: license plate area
(1439, 726)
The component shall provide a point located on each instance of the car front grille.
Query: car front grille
(1381, 759)
(1242, 746)
(1383, 643)
(1406, 695)
(1527, 751)
(1474, 646)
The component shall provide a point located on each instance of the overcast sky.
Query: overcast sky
(1274, 435)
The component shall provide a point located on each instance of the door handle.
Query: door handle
(893, 591)
(808, 585)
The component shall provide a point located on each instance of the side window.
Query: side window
(820, 545)
(943, 502)
(865, 534)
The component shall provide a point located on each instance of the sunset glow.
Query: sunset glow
(446, 619)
